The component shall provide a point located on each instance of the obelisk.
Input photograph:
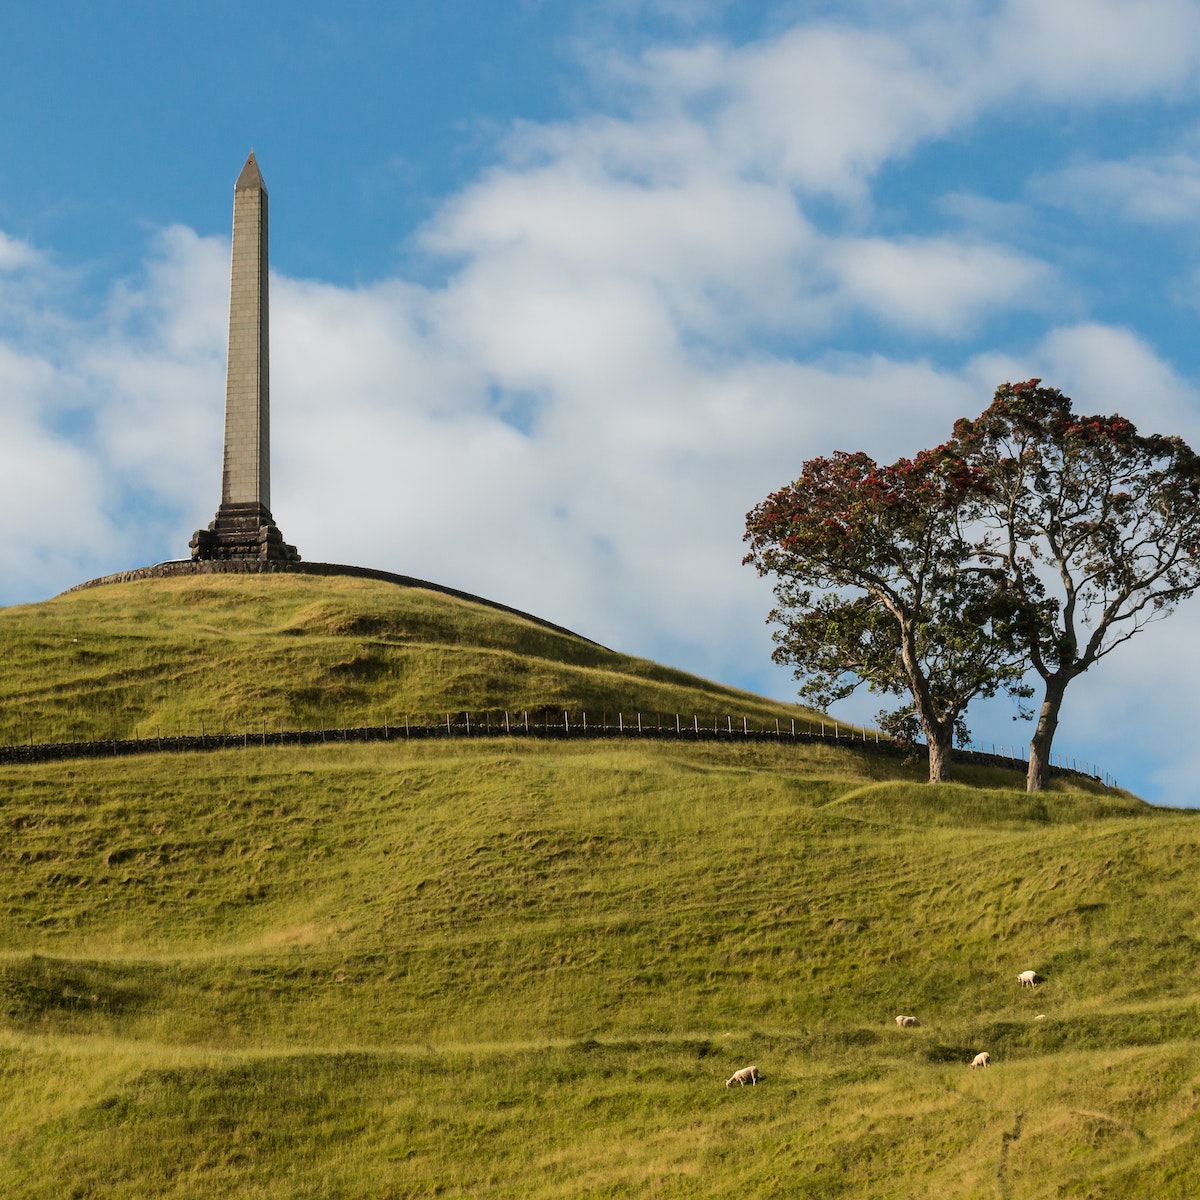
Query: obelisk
(244, 527)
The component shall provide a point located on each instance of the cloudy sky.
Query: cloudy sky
(561, 289)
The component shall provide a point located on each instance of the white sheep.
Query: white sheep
(907, 1022)
(983, 1059)
(1029, 979)
(747, 1075)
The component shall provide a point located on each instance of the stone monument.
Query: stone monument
(244, 528)
(243, 539)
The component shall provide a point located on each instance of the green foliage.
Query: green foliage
(874, 585)
(1095, 527)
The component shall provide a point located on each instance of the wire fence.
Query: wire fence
(545, 723)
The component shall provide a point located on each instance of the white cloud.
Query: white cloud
(938, 285)
(152, 369)
(53, 490)
(1155, 190)
(586, 220)
(823, 105)
(819, 107)
(16, 255)
(1085, 50)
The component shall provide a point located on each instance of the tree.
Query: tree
(875, 586)
(1096, 528)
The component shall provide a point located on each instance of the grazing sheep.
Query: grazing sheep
(1029, 979)
(747, 1075)
(907, 1022)
(983, 1059)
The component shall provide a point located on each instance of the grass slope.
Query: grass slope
(165, 656)
(512, 969)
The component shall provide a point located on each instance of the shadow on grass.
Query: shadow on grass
(36, 989)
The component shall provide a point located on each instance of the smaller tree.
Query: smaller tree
(875, 586)
(1096, 527)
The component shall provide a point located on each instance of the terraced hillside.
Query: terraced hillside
(525, 969)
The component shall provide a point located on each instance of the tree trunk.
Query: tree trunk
(941, 745)
(1043, 735)
(939, 735)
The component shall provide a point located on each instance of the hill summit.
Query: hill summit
(231, 652)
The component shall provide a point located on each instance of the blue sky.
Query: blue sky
(560, 290)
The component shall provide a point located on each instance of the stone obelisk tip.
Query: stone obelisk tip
(251, 176)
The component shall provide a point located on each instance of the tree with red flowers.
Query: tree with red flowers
(1095, 527)
(876, 585)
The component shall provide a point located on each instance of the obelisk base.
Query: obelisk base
(245, 531)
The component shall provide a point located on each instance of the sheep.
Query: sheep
(983, 1059)
(907, 1022)
(1029, 979)
(747, 1075)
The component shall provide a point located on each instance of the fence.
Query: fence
(540, 723)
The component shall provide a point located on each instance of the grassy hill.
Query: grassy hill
(526, 969)
(161, 656)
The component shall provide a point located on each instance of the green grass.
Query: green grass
(521, 969)
(166, 656)
(512, 969)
